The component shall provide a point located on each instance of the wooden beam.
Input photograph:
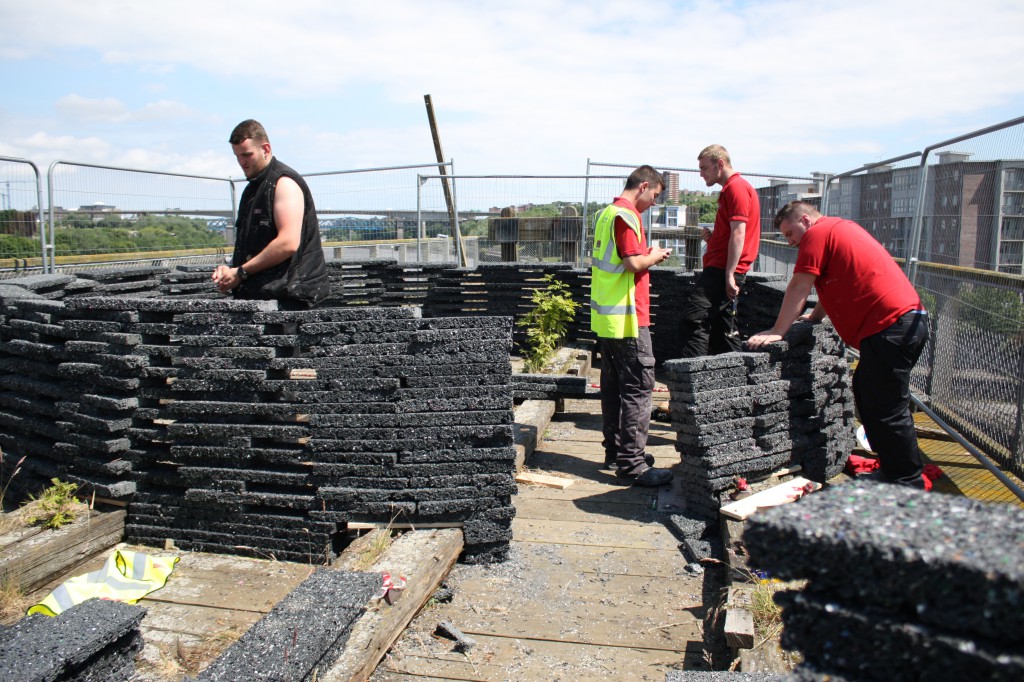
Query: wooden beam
(547, 481)
(424, 558)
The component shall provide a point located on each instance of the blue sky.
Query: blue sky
(534, 87)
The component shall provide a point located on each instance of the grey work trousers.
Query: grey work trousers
(627, 384)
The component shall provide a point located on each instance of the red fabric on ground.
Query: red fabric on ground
(860, 465)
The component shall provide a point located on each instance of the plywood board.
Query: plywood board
(782, 493)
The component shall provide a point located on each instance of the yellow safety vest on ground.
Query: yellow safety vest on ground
(612, 287)
(127, 576)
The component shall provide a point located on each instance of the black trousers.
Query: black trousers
(708, 325)
(627, 385)
(881, 390)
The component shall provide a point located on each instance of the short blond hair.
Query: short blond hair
(715, 152)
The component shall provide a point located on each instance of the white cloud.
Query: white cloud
(541, 86)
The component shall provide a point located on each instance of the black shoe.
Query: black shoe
(609, 462)
(647, 477)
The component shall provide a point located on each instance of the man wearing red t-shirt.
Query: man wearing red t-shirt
(875, 309)
(620, 315)
(709, 317)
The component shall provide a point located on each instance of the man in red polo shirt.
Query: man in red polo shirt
(709, 317)
(875, 309)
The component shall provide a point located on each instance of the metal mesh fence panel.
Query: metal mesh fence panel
(372, 204)
(101, 210)
(680, 230)
(22, 235)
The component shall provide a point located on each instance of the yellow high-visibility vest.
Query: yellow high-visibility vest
(126, 576)
(612, 287)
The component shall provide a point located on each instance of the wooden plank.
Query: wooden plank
(532, 660)
(384, 525)
(531, 478)
(609, 561)
(424, 558)
(40, 557)
(739, 628)
(624, 535)
(585, 510)
(783, 493)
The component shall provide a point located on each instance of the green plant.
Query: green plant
(55, 506)
(547, 322)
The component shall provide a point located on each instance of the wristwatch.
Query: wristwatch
(242, 274)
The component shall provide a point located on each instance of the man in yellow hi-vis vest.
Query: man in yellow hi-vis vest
(620, 316)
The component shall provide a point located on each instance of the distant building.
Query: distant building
(672, 190)
(973, 210)
(779, 192)
(98, 207)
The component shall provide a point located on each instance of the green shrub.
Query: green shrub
(546, 323)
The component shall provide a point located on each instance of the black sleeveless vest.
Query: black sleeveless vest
(303, 277)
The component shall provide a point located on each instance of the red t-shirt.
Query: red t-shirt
(860, 286)
(737, 201)
(628, 244)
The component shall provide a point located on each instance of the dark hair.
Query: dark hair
(249, 129)
(793, 209)
(645, 174)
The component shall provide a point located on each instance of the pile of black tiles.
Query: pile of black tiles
(95, 640)
(189, 281)
(418, 421)
(303, 635)
(760, 300)
(45, 286)
(901, 584)
(33, 392)
(506, 289)
(357, 282)
(670, 290)
(750, 414)
(548, 386)
(235, 427)
(134, 281)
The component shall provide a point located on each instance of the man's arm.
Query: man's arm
(289, 208)
(737, 234)
(792, 307)
(640, 263)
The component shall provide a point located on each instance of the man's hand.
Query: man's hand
(763, 339)
(731, 290)
(705, 234)
(226, 278)
(661, 254)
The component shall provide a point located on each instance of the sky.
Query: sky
(530, 87)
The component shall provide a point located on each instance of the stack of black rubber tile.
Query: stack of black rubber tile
(901, 584)
(412, 421)
(95, 640)
(670, 289)
(712, 411)
(747, 415)
(504, 289)
(190, 281)
(409, 284)
(760, 300)
(45, 286)
(303, 635)
(32, 339)
(134, 281)
(357, 282)
(548, 386)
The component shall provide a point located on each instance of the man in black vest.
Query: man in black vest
(278, 254)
